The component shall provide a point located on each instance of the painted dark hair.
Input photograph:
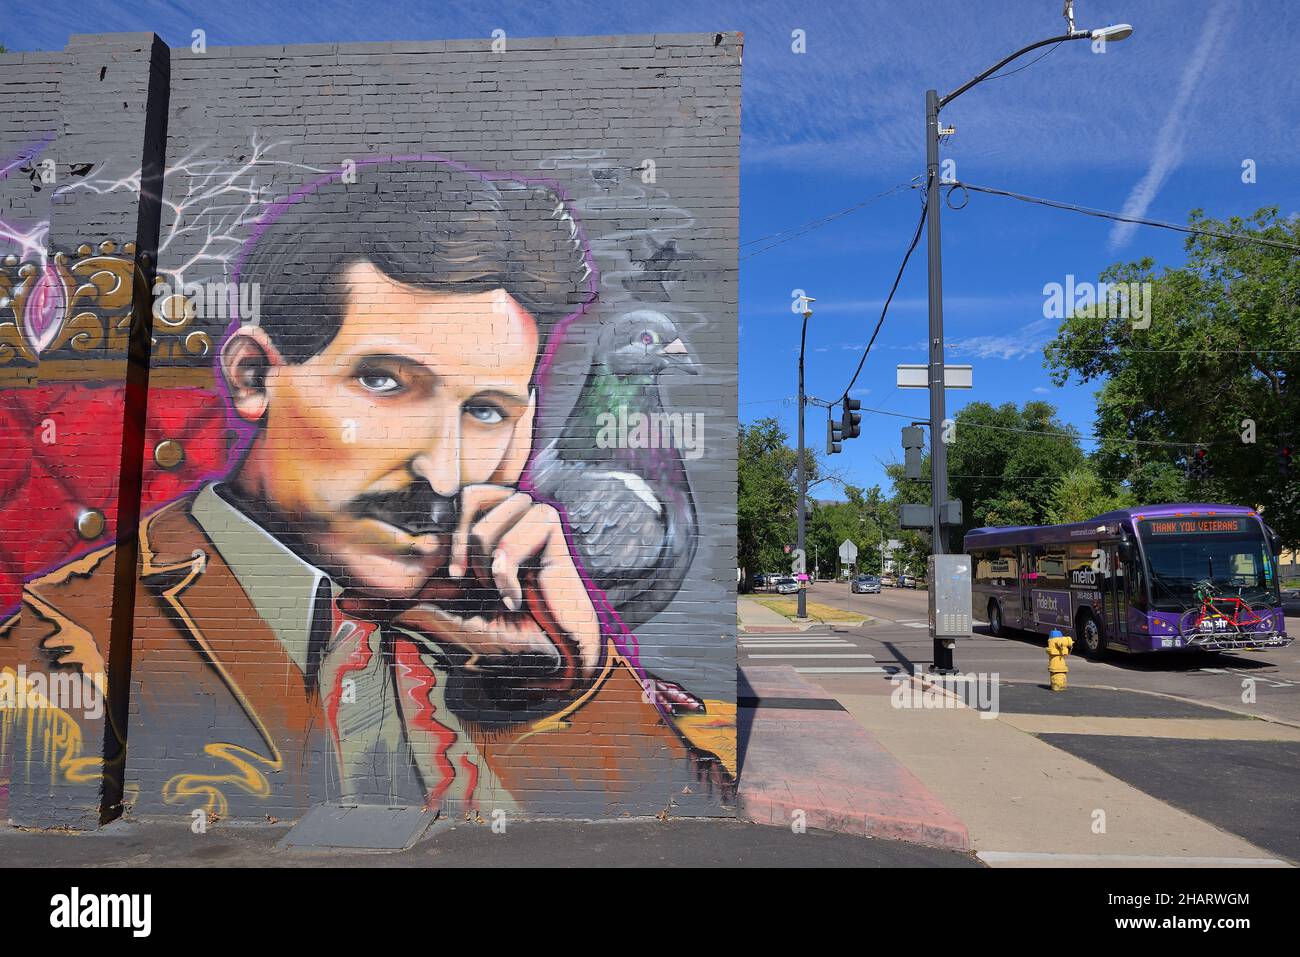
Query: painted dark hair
(422, 223)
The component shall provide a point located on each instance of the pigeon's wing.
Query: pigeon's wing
(619, 526)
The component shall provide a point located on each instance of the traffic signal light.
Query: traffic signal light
(913, 441)
(833, 436)
(1284, 455)
(851, 421)
(1198, 466)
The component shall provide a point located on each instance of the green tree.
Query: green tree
(1004, 463)
(1081, 494)
(1217, 367)
(915, 544)
(860, 519)
(767, 496)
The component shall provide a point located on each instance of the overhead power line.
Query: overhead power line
(1120, 217)
(794, 232)
(916, 237)
(1061, 435)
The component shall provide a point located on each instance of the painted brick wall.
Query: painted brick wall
(437, 452)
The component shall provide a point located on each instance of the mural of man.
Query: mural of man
(371, 606)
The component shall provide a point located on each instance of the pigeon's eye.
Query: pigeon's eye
(485, 412)
(647, 338)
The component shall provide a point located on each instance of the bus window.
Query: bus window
(995, 566)
(1049, 563)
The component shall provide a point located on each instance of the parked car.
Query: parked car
(865, 585)
(759, 581)
(907, 581)
(889, 581)
(787, 586)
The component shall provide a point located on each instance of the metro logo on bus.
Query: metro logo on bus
(1083, 576)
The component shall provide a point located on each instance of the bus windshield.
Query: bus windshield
(1230, 553)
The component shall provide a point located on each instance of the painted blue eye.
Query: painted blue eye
(487, 414)
(378, 382)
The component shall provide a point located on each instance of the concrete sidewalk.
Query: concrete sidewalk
(756, 619)
(804, 761)
(1028, 803)
(559, 844)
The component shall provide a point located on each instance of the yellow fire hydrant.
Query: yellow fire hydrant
(1058, 647)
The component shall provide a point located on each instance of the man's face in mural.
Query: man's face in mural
(410, 423)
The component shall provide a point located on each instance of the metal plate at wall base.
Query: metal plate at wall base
(367, 827)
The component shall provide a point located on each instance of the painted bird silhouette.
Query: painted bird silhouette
(629, 507)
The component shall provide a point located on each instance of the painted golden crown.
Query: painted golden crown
(83, 305)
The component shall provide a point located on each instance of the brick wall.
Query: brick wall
(433, 438)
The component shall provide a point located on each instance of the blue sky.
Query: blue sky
(1156, 125)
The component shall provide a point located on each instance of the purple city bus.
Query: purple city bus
(1158, 578)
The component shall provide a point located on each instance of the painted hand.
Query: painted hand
(512, 597)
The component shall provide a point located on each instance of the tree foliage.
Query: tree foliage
(1081, 494)
(767, 496)
(861, 519)
(1009, 465)
(1216, 368)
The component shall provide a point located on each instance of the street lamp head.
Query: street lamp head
(1113, 33)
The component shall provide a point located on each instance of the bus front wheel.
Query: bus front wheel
(995, 620)
(1091, 640)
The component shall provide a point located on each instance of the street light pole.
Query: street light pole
(802, 611)
(938, 449)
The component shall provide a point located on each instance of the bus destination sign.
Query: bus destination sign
(1196, 526)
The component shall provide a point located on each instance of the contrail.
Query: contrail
(1169, 144)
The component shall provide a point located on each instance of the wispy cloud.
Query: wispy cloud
(1173, 134)
(1028, 341)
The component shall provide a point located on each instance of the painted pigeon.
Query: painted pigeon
(614, 462)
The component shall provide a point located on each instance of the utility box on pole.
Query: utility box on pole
(950, 595)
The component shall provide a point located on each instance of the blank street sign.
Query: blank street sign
(918, 376)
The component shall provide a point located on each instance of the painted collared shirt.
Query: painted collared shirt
(382, 689)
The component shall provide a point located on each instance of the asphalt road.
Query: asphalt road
(898, 639)
(1246, 787)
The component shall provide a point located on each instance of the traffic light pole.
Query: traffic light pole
(938, 450)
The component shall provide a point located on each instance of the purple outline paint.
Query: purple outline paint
(611, 625)
(26, 154)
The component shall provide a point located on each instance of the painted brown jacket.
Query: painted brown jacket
(222, 718)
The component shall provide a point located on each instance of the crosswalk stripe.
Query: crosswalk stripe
(768, 641)
(798, 636)
(829, 644)
(841, 671)
(789, 657)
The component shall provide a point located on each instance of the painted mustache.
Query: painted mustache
(417, 509)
